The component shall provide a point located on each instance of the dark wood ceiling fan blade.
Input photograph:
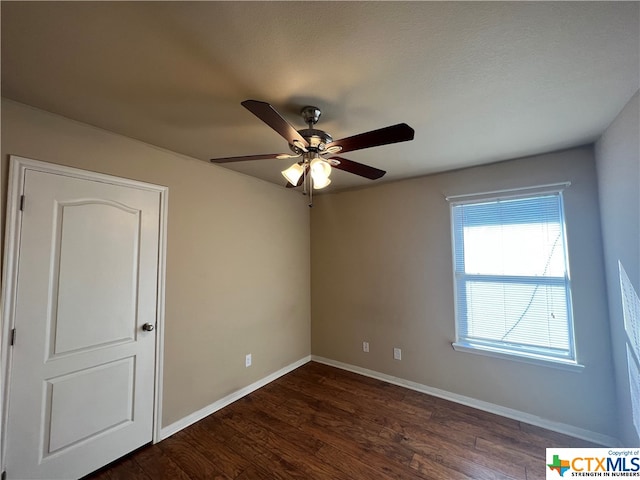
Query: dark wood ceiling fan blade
(383, 136)
(264, 156)
(356, 168)
(271, 117)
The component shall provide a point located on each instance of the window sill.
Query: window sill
(525, 358)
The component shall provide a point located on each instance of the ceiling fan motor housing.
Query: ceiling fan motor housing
(317, 139)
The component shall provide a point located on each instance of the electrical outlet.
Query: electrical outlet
(247, 360)
(397, 354)
(365, 347)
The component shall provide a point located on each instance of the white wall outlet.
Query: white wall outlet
(365, 347)
(247, 360)
(397, 354)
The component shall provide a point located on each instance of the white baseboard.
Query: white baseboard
(564, 428)
(175, 427)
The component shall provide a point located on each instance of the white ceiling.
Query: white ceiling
(478, 81)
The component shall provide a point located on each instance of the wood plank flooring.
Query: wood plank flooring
(319, 422)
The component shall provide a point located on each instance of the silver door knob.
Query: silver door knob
(148, 327)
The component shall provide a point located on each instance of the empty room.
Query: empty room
(363, 240)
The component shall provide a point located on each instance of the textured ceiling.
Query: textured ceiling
(478, 81)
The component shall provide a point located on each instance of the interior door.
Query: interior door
(81, 391)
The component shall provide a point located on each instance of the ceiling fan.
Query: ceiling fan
(316, 149)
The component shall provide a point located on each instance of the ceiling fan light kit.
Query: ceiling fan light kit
(293, 173)
(317, 148)
(320, 171)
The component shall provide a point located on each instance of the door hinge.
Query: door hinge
(21, 202)
(13, 338)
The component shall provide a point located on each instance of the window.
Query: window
(631, 314)
(512, 284)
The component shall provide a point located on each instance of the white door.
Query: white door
(81, 391)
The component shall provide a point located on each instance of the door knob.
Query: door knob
(148, 327)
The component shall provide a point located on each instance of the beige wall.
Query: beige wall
(382, 272)
(618, 165)
(237, 258)
(381, 262)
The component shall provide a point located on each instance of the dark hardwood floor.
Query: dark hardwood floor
(320, 422)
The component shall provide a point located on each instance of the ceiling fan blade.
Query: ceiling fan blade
(271, 117)
(350, 166)
(383, 136)
(264, 156)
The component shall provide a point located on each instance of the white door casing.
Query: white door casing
(86, 272)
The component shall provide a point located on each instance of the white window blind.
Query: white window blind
(631, 315)
(512, 278)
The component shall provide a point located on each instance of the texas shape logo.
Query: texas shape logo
(558, 465)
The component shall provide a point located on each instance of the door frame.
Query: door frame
(17, 169)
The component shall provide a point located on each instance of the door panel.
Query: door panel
(81, 388)
(107, 404)
(91, 254)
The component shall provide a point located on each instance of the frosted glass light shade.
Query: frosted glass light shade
(293, 173)
(320, 181)
(320, 171)
(320, 168)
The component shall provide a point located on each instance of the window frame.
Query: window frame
(493, 348)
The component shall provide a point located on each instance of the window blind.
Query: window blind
(511, 276)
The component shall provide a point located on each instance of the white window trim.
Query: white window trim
(469, 346)
(507, 193)
(540, 360)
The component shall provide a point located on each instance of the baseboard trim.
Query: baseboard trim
(559, 427)
(175, 427)
(564, 428)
